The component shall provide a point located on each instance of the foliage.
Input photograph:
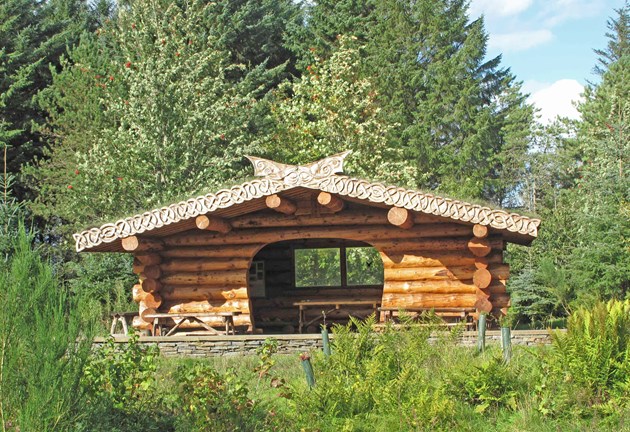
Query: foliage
(490, 385)
(150, 109)
(331, 109)
(373, 375)
(209, 397)
(32, 36)
(45, 339)
(594, 354)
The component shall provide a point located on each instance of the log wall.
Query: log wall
(428, 262)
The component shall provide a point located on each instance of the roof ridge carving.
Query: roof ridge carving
(320, 175)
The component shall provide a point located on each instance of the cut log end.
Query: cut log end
(483, 305)
(482, 278)
(400, 217)
(331, 202)
(151, 272)
(281, 205)
(150, 285)
(212, 223)
(480, 231)
(138, 244)
(479, 247)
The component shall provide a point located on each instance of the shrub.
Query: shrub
(594, 354)
(491, 385)
(213, 400)
(376, 381)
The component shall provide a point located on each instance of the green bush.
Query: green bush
(593, 356)
(216, 401)
(121, 389)
(491, 385)
(376, 381)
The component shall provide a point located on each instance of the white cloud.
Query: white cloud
(498, 7)
(555, 99)
(519, 41)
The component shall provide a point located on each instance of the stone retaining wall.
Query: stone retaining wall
(212, 346)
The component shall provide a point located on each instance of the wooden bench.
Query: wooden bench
(159, 318)
(123, 318)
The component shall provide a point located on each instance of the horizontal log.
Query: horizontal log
(137, 266)
(144, 311)
(432, 288)
(482, 278)
(291, 314)
(436, 258)
(461, 273)
(151, 300)
(150, 285)
(147, 258)
(206, 306)
(366, 233)
(479, 247)
(201, 264)
(483, 305)
(151, 272)
(403, 301)
(482, 262)
(280, 204)
(203, 292)
(141, 244)
(331, 202)
(212, 223)
(347, 217)
(139, 324)
(416, 247)
(480, 231)
(233, 277)
(400, 217)
(241, 251)
(137, 294)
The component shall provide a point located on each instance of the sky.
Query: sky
(548, 44)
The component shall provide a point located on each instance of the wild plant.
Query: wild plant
(594, 353)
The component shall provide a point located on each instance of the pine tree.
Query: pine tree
(461, 119)
(618, 40)
(32, 36)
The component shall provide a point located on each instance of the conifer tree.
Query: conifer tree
(32, 36)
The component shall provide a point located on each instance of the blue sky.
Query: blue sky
(548, 44)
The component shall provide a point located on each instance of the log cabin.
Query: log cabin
(278, 251)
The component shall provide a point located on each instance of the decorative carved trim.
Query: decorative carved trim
(320, 175)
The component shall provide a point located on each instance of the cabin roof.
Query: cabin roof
(277, 178)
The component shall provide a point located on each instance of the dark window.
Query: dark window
(338, 266)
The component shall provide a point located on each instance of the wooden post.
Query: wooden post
(400, 217)
(212, 223)
(280, 204)
(506, 343)
(481, 333)
(331, 202)
(308, 369)
(325, 341)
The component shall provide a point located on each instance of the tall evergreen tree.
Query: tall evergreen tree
(461, 118)
(33, 35)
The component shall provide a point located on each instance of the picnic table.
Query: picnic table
(458, 314)
(330, 305)
(159, 318)
(122, 318)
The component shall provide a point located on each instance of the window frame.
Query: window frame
(343, 267)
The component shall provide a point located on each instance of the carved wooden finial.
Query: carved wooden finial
(291, 173)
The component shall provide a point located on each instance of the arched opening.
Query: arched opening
(293, 283)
